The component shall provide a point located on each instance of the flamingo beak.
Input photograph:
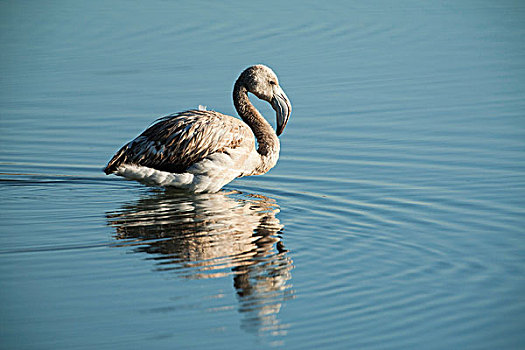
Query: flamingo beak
(282, 107)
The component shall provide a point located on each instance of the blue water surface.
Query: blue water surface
(394, 219)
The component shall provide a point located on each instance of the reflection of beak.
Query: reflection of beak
(282, 107)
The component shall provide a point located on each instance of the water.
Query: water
(394, 218)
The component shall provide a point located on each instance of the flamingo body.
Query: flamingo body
(201, 151)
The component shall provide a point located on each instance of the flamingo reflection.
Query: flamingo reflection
(211, 236)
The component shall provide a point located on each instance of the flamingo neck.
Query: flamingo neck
(266, 137)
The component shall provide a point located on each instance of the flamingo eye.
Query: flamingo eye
(272, 82)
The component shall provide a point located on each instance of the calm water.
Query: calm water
(395, 218)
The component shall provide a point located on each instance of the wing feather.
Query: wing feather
(175, 142)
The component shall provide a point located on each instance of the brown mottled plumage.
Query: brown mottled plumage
(203, 150)
(172, 143)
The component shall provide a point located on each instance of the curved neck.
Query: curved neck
(263, 131)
